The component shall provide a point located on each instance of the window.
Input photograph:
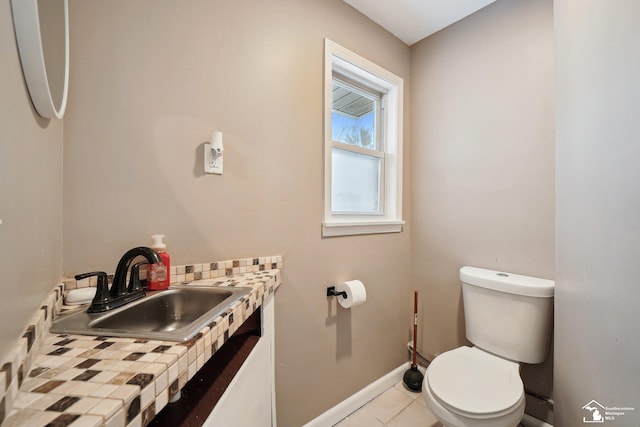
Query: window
(363, 146)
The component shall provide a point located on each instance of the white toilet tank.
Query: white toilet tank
(507, 314)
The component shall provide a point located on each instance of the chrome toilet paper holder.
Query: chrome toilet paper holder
(331, 292)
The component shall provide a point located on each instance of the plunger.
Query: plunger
(413, 377)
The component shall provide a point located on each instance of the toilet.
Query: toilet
(508, 318)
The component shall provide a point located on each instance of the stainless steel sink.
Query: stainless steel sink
(176, 314)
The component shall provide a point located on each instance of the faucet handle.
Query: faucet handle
(102, 298)
(134, 279)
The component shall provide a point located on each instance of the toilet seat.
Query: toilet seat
(474, 383)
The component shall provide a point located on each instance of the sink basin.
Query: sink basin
(176, 314)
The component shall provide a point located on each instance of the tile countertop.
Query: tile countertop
(86, 381)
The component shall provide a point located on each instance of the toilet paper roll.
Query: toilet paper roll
(356, 293)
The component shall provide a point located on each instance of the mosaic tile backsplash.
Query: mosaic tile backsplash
(208, 270)
(78, 380)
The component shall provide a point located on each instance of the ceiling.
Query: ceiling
(413, 20)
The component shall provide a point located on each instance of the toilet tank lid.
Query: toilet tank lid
(507, 282)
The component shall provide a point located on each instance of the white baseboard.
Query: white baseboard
(529, 421)
(359, 399)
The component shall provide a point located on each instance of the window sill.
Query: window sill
(332, 229)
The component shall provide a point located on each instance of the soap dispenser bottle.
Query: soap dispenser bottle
(159, 275)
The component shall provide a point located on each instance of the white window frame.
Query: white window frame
(342, 61)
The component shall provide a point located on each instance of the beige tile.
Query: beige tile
(421, 401)
(87, 421)
(200, 361)
(48, 361)
(192, 370)
(161, 400)
(67, 387)
(199, 346)
(192, 353)
(143, 348)
(103, 390)
(153, 368)
(104, 377)
(137, 366)
(147, 395)
(183, 363)
(166, 358)
(46, 401)
(19, 418)
(23, 400)
(388, 404)
(113, 365)
(415, 396)
(173, 372)
(149, 357)
(86, 344)
(161, 382)
(125, 392)
(118, 420)
(83, 405)
(32, 383)
(44, 418)
(106, 408)
(132, 347)
(72, 362)
(68, 374)
(413, 415)
(361, 418)
(75, 352)
(136, 422)
(85, 388)
(207, 337)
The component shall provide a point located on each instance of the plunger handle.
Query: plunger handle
(415, 326)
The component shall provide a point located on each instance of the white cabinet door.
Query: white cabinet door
(249, 399)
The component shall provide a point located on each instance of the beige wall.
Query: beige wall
(30, 196)
(150, 81)
(598, 209)
(482, 160)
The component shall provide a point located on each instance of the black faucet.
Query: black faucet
(108, 299)
(119, 286)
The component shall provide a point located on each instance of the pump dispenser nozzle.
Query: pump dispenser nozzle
(158, 242)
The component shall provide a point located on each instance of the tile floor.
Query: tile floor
(396, 407)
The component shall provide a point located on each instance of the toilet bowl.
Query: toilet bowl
(508, 319)
(468, 387)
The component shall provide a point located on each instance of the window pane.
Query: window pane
(353, 117)
(355, 184)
